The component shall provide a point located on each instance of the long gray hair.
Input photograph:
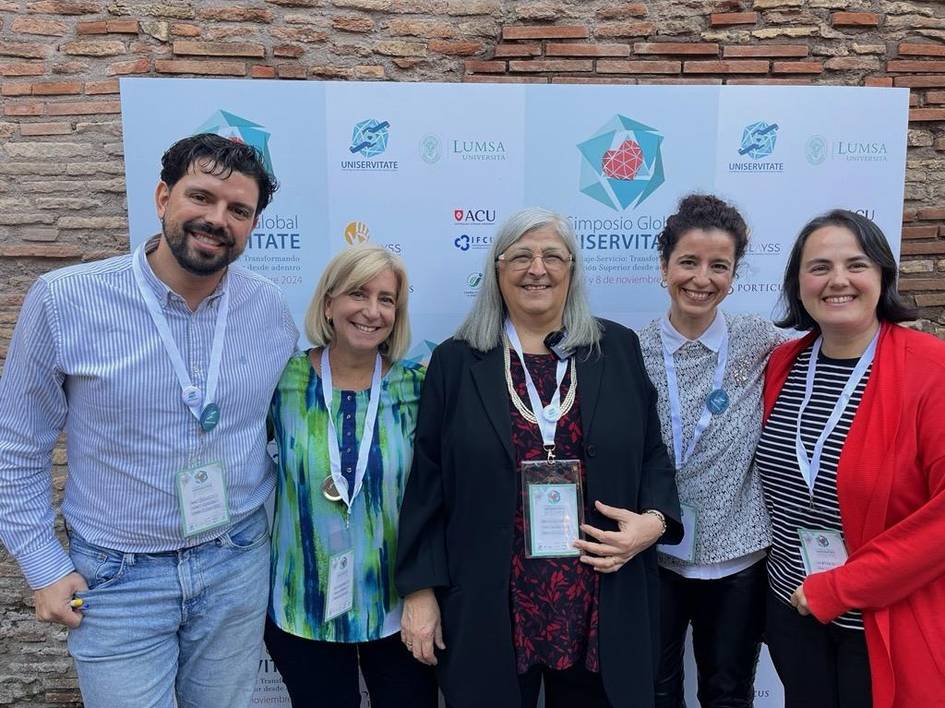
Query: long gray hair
(484, 325)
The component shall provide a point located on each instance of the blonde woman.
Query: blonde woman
(344, 415)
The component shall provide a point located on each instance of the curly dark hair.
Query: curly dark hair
(892, 307)
(703, 211)
(219, 157)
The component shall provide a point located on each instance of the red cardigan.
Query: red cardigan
(891, 487)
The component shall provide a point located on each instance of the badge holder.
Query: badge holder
(339, 590)
(553, 502)
(201, 494)
(821, 549)
(685, 550)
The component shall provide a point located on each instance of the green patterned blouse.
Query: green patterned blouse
(308, 529)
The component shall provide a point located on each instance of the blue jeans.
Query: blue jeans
(184, 624)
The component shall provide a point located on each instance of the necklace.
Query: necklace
(520, 405)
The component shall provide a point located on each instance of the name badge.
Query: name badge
(822, 549)
(340, 596)
(553, 506)
(201, 493)
(685, 549)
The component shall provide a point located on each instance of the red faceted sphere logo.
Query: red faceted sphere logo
(623, 162)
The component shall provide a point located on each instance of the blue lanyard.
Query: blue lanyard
(810, 467)
(201, 404)
(682, 453)
(547, 416)
(367, 436)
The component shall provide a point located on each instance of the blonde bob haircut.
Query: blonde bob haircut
(348, 271)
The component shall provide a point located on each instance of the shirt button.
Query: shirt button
(348, 416)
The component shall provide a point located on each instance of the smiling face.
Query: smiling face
(206, 219)
(535, 293)
(839, 285)
(364, 317)
(698, 276)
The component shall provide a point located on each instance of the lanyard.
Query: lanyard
(810, 468)
(367, 437)
(201, 404)
(547, 416)
(681, 452)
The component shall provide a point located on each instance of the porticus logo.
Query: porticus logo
(482, 217)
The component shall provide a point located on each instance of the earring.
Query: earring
(662, 283)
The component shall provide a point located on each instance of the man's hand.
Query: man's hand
(53, 601)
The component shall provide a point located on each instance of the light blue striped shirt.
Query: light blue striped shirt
(86, 357)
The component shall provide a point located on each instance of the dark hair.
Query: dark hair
(703, 211)
(219, 157)
(892, 307)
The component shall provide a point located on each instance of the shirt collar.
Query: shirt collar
(711, 338)
(161, 290)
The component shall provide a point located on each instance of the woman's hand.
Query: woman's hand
(636, 533)
(420, 627)
(799, 601)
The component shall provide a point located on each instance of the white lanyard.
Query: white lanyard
(715, 402)
(810, 468)
(367, 436)
(201, 404)
(547, 416)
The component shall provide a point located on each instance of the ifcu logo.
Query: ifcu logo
(622, 163)
(474, 216)
(465, 242)
(242, 130)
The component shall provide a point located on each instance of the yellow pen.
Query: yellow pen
(76, 602)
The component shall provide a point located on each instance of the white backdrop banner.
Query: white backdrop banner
(431, 170)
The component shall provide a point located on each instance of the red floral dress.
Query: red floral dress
(553, 600)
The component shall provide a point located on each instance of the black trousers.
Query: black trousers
(574, 687)
(727, 617)
(820, 665)
(325, 674)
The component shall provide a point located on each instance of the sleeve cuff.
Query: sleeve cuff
(821, 599)
(45, 565)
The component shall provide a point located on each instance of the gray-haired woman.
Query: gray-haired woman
(534, 415)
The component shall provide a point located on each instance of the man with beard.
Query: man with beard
(159, 366)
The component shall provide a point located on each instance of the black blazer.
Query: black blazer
(459, 505)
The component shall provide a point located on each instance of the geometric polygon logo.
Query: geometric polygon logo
(622, 163)
(758, 140)
(233, 127)
(369, 137)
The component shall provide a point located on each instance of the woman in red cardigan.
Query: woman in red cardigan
(852, 458)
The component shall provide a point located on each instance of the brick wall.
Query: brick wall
(61, 170)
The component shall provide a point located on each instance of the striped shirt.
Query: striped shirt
(86, 357)
(786, 493)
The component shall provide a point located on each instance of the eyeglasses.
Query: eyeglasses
(553, 262)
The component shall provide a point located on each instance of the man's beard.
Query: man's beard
(193, 260)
